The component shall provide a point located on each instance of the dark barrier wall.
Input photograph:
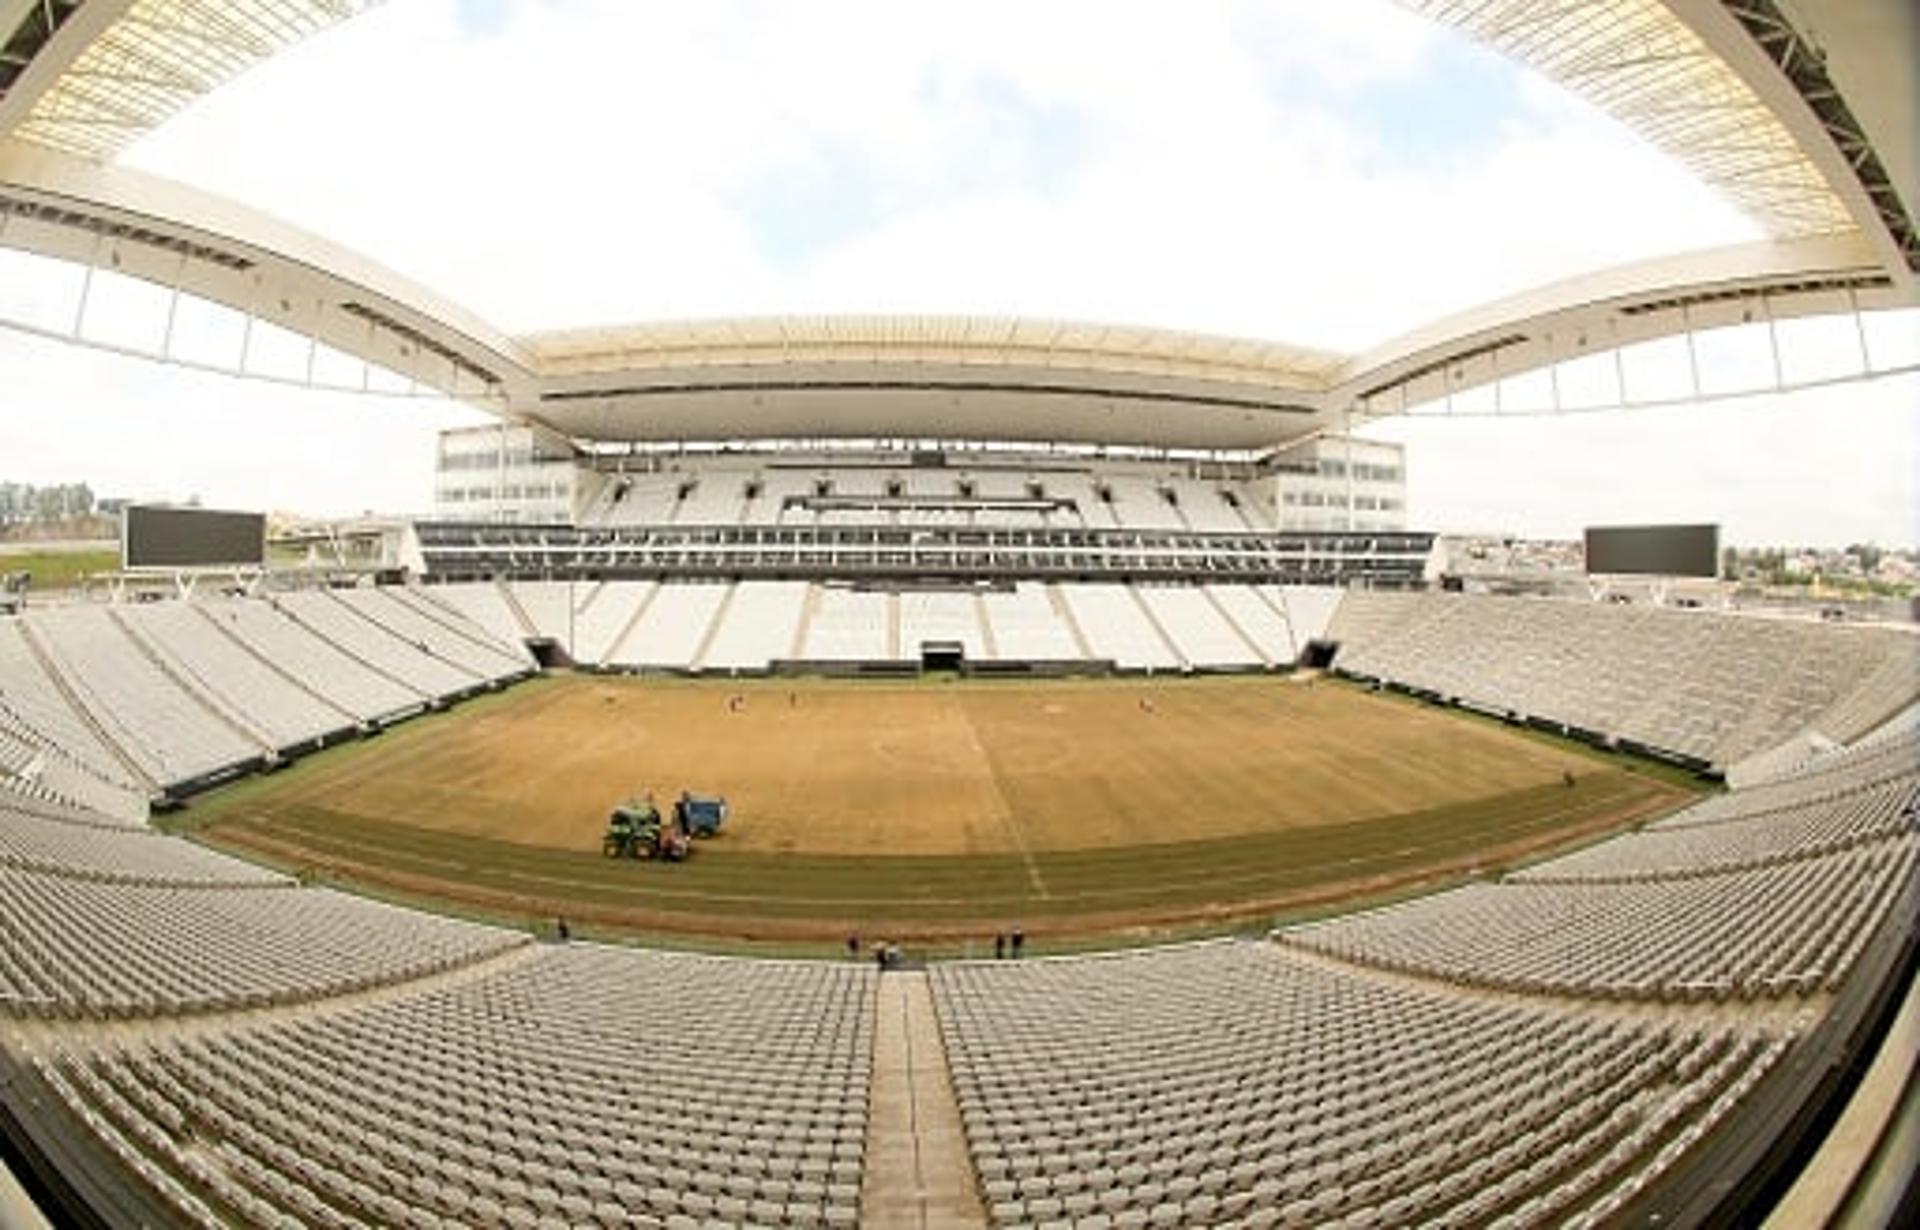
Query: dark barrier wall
(1654, 550)
(191, 538)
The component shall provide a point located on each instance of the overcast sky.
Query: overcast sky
(1324, 174)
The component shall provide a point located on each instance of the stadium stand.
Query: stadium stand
(285, 714)
(42, 837)
(941, 616)
(174, 736)
(412, 663)
(322, 667)
(604, 616)
(1705, 687)
(1117, 626)
(483, 605)
(749, 625)
(1028, 623)
(670, 628)
(76, 947)
(759, 626)
(175, 695)
(33, 764)
(842, 624)
(520, 1095)
(1193, 620)
(1792, 927)
(485, 658)
(1309, 608)
(1227, 1084)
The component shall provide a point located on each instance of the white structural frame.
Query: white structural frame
(1704, 80)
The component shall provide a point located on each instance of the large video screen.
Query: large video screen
(191, 538)
(1654, 550)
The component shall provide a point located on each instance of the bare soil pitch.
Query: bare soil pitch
(930, 808)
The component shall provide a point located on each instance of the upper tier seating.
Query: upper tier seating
(1203, 1085)
(1717, 688)
(955, 496)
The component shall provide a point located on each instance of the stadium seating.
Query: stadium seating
(1259, 619)
(322, 667)
(1118, 627)
(74, 947)
(587, 1086)
(1193, 620)
(335, 618)
(1226, 1084)
(671, 628)
(37, 763)
(284, 713)
(452, 641)
(1709, 687)
(940, 615)
(601, 620)
(1028, 623)
(759, 625)
(106, 705)
(1745, 931)
(484, 605)
(173, 735)
(1537, 1049)
(848, 625)
(37, 835)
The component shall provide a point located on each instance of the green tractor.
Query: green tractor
(635, 830)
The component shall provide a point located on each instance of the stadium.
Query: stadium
(906, 769)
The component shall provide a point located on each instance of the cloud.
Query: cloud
(1320, 173)
(1230, 166)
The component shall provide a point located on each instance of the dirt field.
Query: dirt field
(929, 805)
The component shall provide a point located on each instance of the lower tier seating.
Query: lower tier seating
(1227, 1084)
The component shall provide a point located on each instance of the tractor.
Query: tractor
(699, 815)
(634, 830)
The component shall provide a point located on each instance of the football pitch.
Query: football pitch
(926, 809)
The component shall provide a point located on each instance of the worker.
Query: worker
(562, 930)
(1019, 941)
(999, 945)
(853, 945)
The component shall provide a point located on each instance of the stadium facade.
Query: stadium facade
(1661, 1028)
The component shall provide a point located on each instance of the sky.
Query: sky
(1322, 174)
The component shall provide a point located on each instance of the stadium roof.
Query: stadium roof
(1815, 140)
